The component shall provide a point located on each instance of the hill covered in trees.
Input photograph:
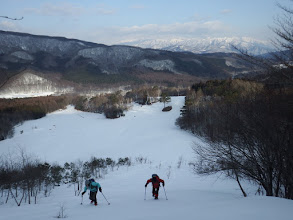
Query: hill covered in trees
(248, 126)
(85, 62)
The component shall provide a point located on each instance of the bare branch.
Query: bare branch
(11, 18)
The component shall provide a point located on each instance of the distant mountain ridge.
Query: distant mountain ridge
(205, 45)
(74, 61)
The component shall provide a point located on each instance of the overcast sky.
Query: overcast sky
(114, 21)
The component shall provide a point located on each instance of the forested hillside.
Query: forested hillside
(249, 128)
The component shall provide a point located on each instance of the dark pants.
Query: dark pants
(93, 196)
(156, 192)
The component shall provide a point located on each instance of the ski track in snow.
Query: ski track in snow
(69, 135)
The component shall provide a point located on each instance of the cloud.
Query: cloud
(8, 25)
(194, 27)
(49, 9)
(137, 7)
(199, 18)
(104, 11)
(115, 35)
(68, 9)
(226, 11)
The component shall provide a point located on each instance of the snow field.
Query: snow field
(145, 131)
(69, 135)
(189, 197)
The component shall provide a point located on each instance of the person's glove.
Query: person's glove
(163, 184)
(100, 189)
(145, 185)
(83, 193)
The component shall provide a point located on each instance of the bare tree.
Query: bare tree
(248, 137)
(283, 29)
(165, 98)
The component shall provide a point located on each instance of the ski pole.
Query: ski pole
(165, 193)
(144, 193)
(106, 199)
(81, 199)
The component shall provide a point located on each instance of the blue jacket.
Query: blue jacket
(94, 186)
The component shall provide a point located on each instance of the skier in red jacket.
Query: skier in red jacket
(156, 184)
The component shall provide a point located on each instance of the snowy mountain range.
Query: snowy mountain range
(20, 50)
(205, 45)
(70, 65)
(66, 63)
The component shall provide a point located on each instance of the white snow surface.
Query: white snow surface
(68, 135)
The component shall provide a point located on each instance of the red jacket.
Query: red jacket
(155, 181)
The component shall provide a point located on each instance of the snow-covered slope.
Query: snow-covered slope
(146, 131)
(28, 84)
(205, 45)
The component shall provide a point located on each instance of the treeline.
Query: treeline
(146, 95)
(248, 127)
(15, 111)
(25, 179)
(113, 105)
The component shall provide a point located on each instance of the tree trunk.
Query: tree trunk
(7, 196)
(238, 181)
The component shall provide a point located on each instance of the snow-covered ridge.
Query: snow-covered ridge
(204, 45)
(22, 55)
(56, 55)
(30, 85)
(159, 65)
(118, 54)
(33, 44)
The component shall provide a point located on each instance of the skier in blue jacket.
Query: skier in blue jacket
(93, 187)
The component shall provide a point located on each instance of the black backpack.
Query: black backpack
(155, 178)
